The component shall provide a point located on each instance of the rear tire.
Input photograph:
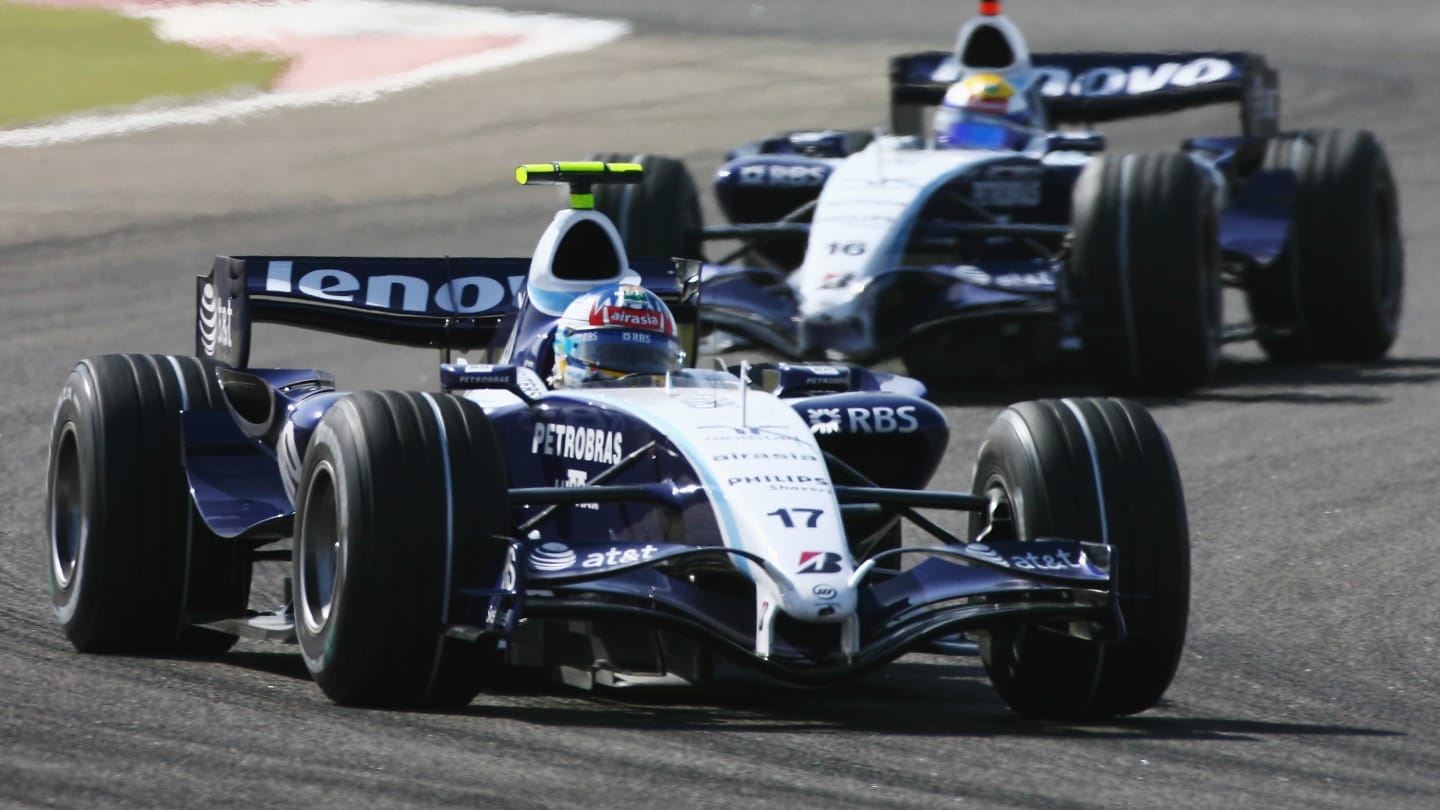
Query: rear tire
(658, 218)
(397, 497)
(130, 562)
(1098, 470)
(1334, 294)
(1146, 262)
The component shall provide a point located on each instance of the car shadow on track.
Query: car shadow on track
(1236, 380)
(906, 698)
(916, 697)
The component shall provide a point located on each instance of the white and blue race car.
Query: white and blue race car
(995, 236)
(634, 530)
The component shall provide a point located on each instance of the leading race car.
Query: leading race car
(589, 502)
(996, 237)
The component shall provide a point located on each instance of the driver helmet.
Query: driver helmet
(614, 331)
(984, 111)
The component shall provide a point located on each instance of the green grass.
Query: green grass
(55, 62)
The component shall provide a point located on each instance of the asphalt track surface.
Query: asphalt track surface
(1310, 676)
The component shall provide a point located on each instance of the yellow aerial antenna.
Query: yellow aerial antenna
(580, 175)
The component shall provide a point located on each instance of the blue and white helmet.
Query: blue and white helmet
(614, 331)
(985, 111)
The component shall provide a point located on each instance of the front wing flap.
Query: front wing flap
(959, 587)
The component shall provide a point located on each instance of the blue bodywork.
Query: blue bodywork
(638, 540)
(989, 269)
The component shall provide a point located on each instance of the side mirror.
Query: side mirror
(518, 380)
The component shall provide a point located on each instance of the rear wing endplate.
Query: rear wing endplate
(1093, 86)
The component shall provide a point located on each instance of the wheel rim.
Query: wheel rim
(321, 550)
(68, 524)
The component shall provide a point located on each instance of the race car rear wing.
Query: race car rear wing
(1094, 86)
(445, 303)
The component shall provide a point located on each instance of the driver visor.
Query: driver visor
(625, 351)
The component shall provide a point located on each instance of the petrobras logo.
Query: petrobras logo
(577, 443)
(1134, 79)
(464, 295)
(214, 321)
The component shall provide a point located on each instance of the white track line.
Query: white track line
(543, 35)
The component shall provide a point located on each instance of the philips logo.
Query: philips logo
(465, 295)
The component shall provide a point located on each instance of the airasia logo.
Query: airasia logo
(624, 316)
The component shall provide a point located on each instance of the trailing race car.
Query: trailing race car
(990, 238)
(589, 501)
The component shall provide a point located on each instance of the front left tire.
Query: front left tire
(1097, 470)
(400, 498)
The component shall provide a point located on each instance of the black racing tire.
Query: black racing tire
(1335, 292)
(131, 565)
(398, 498)
(1146, 267)
(659, 217)
(1098, 470)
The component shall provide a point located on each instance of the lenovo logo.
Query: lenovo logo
(464, 295)
(1116, 81)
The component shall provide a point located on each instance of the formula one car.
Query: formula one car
(621, 530)
(992, 240)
